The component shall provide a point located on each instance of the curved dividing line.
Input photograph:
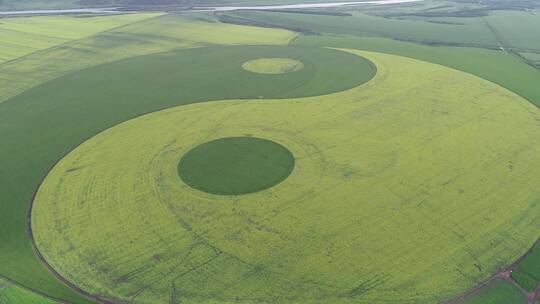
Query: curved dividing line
(39, 255)
(32, 290)
(198, 187)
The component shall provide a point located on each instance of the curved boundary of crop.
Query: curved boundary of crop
(455, 300)
(32, 290)
(504, 273)
(401, 49)
(196, 184)
(30, 233)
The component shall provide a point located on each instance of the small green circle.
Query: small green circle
(272, 65)
(236, 165)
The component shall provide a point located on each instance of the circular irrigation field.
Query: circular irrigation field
(369, 178)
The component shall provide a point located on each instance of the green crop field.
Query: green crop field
(527, 273)
(533, 58)
(471, 31)
(508, 29)
(13, 294)
(498, 292)
(236, 165)
(515, 29)
(23, 36)
(374, 154)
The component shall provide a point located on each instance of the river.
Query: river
(206, 8)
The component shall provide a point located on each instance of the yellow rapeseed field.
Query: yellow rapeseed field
(410, 188)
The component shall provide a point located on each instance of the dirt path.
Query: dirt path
(505, 274)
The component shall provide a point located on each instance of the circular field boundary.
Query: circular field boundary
(206, 162)
(86, 294)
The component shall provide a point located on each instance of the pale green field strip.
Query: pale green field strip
(158, 34)
(13, 294)
(411, 188)
(511, 29)
(272, 65)
(24, 35)
(517, 28)
(472, 31)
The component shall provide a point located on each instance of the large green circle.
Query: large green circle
(236, 165)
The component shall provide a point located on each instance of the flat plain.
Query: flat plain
(418, 146)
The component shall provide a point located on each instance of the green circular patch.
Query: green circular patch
(236, 165)
(272, 65)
